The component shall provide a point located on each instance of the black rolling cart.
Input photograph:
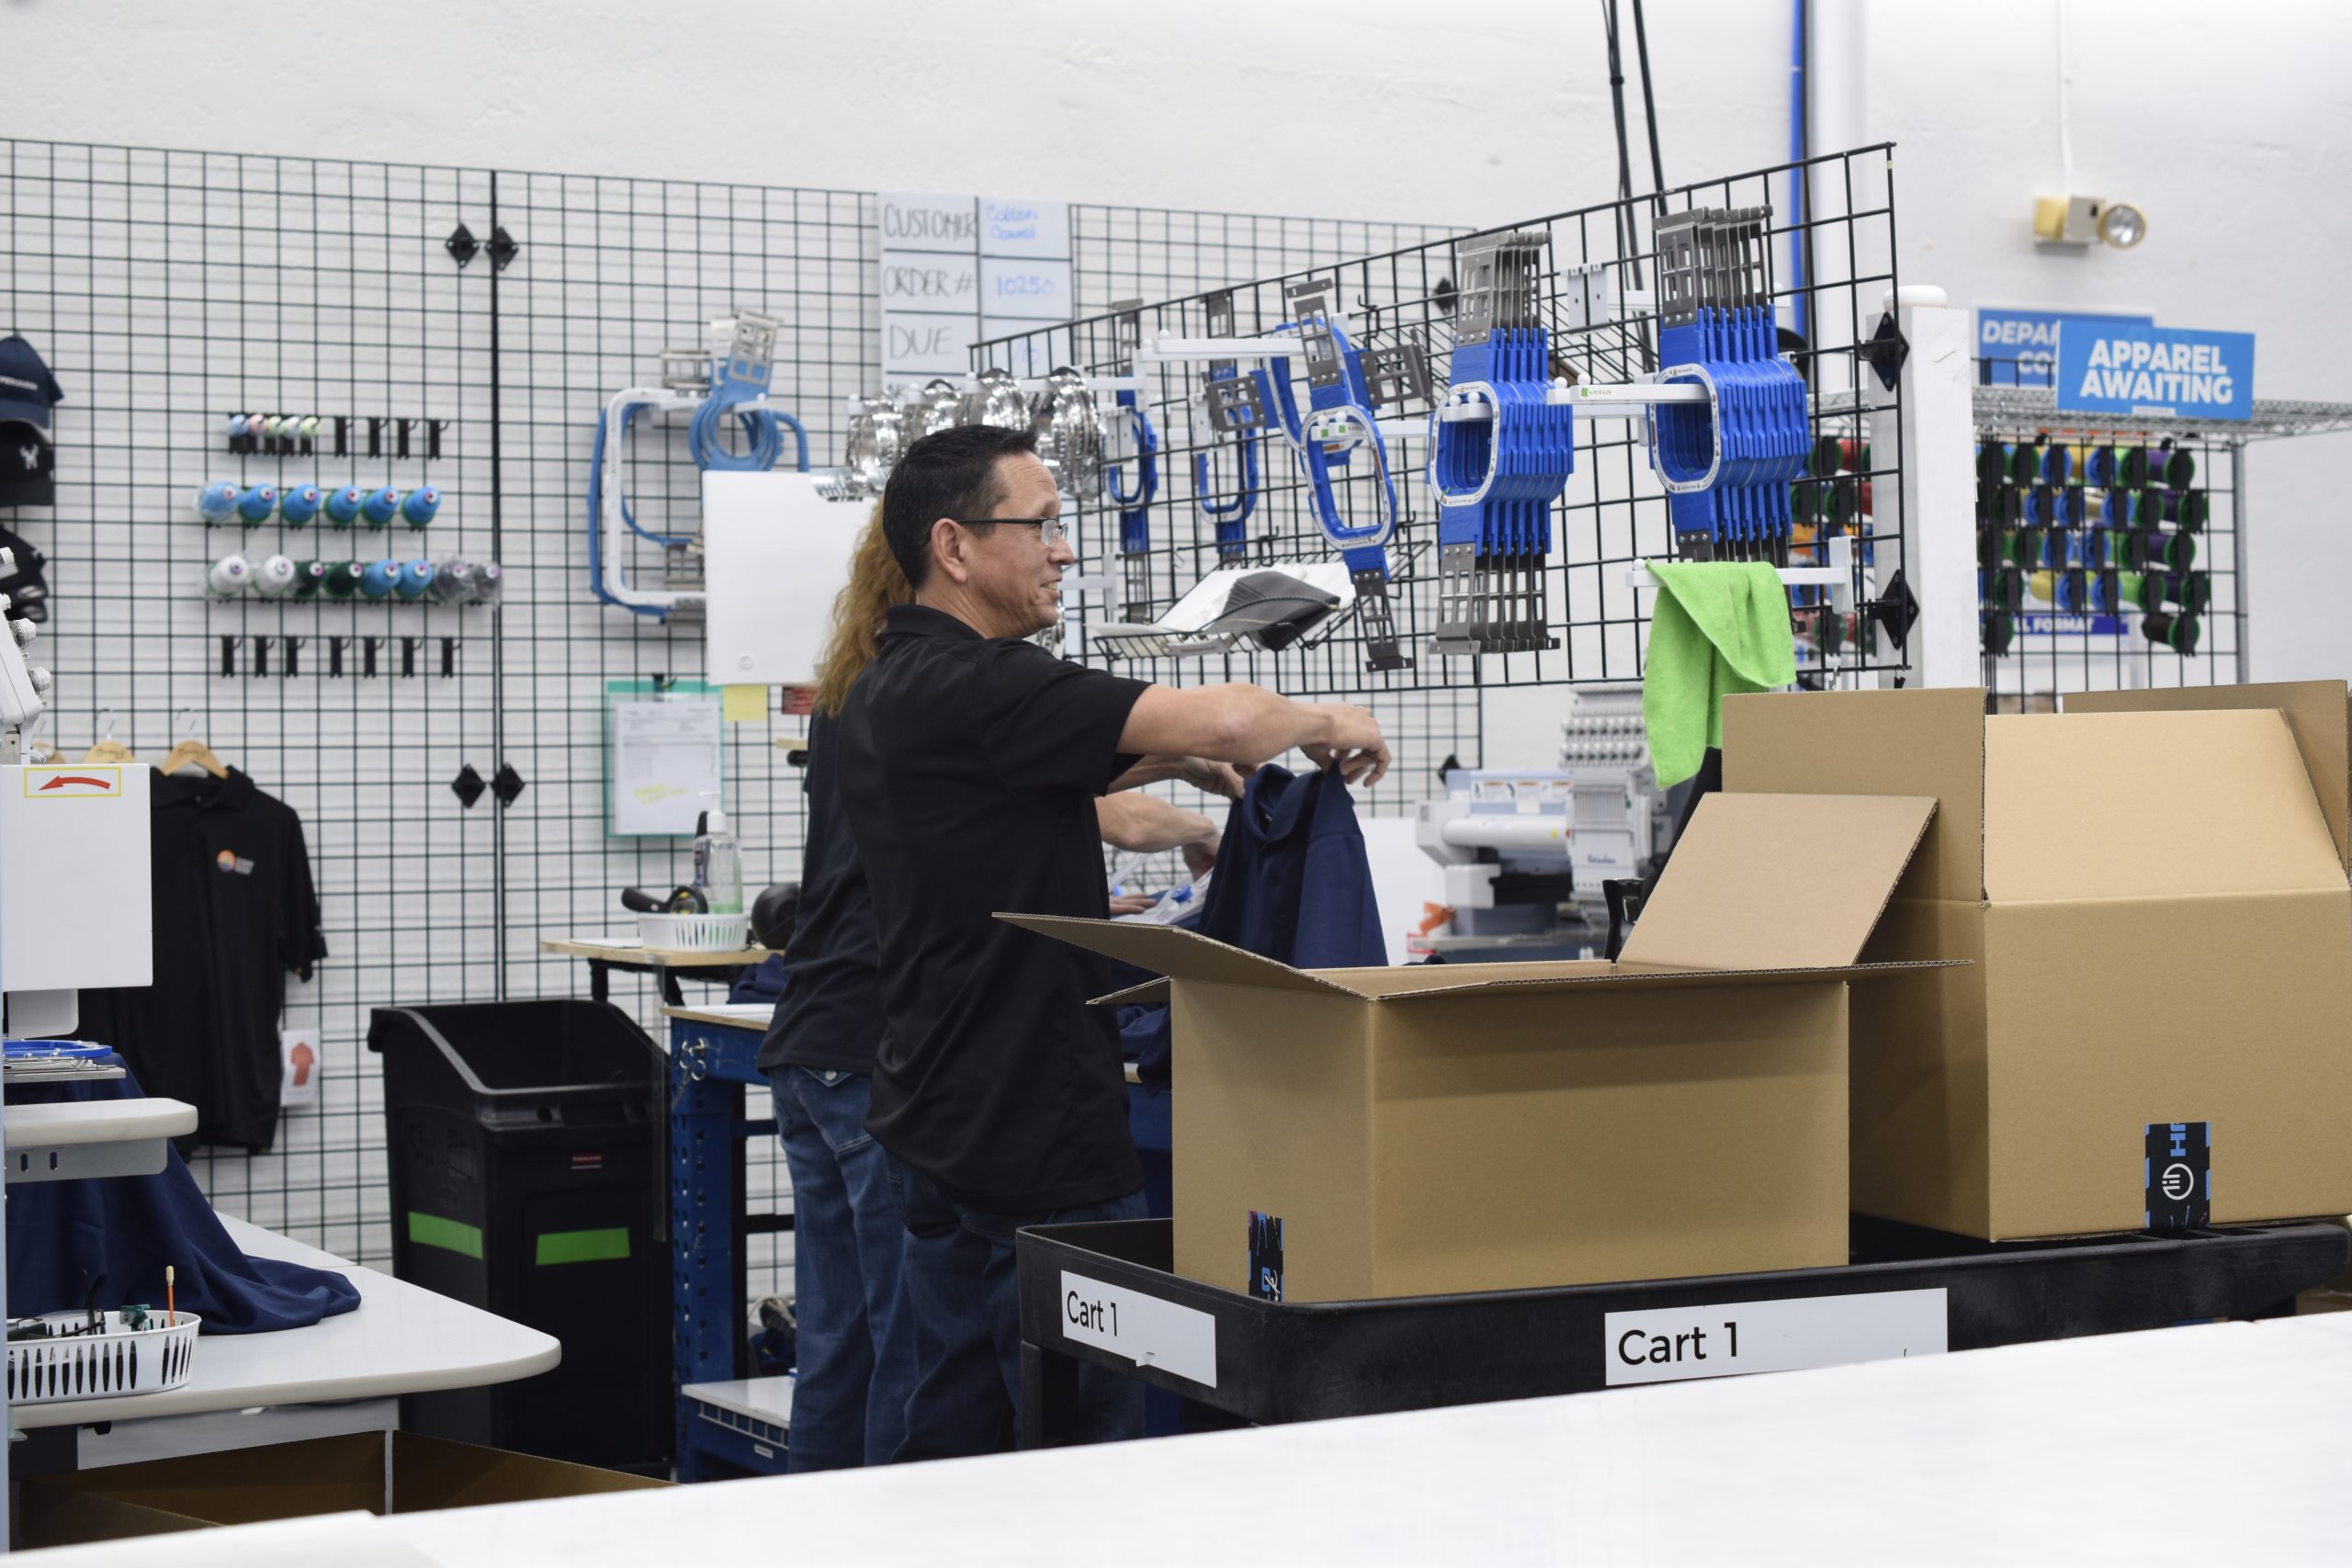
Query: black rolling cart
(1263, 1362)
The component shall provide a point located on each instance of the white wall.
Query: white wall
(2231, 129)
(2228, 128)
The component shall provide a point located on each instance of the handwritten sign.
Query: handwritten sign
(956, 270)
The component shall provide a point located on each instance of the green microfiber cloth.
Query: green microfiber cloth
(1720, 627)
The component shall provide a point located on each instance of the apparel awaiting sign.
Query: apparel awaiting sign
(234, 911)
(2165, 371)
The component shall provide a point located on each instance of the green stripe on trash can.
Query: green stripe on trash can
(450, 1236)
(584, 1247)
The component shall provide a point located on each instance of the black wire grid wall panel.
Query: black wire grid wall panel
(2134, 581)
(1127, 254)
(1613, 515)
(169, 289)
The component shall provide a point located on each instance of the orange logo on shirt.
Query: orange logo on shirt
(226, 859)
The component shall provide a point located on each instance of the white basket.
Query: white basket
(694, 933)
(114, 1361)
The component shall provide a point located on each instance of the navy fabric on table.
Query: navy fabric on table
(1293, 884)
(116, 1233)
(763, 982)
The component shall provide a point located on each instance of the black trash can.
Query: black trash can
(525, 1144)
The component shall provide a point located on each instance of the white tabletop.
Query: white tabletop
(2227, 1443)
(401, 1338)
(70, 1122)
(761, 1399)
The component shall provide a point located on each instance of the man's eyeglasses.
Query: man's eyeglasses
(1049, 529)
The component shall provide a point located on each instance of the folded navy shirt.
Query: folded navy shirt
(104, 1243)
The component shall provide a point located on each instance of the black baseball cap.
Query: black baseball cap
(26, 589)
(28, 390)
(28, 464)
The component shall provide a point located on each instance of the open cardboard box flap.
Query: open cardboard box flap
(1777, 882)
(1723, 912)
(2319, 715)
(2154, 806)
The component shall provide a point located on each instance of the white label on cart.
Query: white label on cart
(1146, 1330)
(1730, 1337)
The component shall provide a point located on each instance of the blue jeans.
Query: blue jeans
(962, 1287)
(856, 1337)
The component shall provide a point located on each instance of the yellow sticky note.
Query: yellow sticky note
(742, 705)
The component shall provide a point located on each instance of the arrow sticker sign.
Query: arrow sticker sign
(72, 784)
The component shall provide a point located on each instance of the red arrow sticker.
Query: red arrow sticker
(59, 781)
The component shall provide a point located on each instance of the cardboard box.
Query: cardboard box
(377, 1472)
(2155, 909)
(1493, 1126)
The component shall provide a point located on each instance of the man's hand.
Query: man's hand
(1210, 778)
(1353, 744)
(1132, 903)
(1201, 854)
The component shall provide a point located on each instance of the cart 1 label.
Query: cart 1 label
(1144, 1329)
(1667, 1344)
(2177, 1171)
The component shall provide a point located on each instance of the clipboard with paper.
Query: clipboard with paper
(665, 757)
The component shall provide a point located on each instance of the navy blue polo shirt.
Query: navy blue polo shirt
(969, 771)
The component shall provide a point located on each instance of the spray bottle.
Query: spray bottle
(719, 861)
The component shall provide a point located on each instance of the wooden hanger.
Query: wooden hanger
(108, 750)
(192, 754)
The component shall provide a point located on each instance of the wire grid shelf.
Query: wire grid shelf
(1613, 515)
(2111, 551)
(170, 289)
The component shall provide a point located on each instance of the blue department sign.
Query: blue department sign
(2018, 347)
(2109, 369)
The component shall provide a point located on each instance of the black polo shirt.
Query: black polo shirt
(235, 911)
(831, 1013)
(969, 771)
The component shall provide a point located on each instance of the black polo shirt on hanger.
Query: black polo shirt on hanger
(234, 912)
(969, 771)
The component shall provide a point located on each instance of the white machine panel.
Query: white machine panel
(76, 911)
(775, 554)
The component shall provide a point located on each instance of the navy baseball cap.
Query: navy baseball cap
(26, 388)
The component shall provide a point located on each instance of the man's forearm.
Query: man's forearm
(1266, 724)
(1145, 824)
(1148, 770)
(1246, 724)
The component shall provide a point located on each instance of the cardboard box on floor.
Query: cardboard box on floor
(1492, 1126)
(2155, 906)
(378, 1473)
